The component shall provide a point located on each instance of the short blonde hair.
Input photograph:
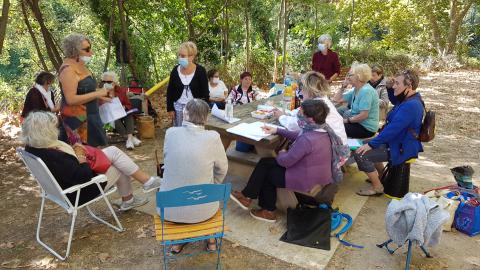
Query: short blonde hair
(363, 71)
(326, 39)
(190, 47)
(315, 84)
(72, 45)
(109, 74)
(40, 129)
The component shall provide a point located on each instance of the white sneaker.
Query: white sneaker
(129, 145)
(154, 185)
(136, 141)
(135, 202)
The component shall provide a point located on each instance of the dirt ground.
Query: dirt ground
(455, 98)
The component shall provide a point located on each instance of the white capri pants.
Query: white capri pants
(119, 172)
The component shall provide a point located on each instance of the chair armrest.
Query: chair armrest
(97, 179)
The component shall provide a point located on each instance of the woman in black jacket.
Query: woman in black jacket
(187, 81)
(69, 165)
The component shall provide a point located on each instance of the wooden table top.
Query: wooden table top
(244, 113)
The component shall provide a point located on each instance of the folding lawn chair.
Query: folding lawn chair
(409, 252)
(52, 191)
(170, 233)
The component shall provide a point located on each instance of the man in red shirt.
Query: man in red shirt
(325, 60)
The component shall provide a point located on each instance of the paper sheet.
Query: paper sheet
(111, 111)
(354, 143)
(252, 131)
(221, 114)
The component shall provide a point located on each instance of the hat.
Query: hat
(463, 176)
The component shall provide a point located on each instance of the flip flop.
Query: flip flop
(207, 246)
(175, 252)
(369, 192)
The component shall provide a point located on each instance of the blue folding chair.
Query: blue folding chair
(170, 233)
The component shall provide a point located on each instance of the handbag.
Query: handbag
(96, 159)
(309, 227)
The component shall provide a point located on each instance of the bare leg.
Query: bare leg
(379, 166)
(375, 180)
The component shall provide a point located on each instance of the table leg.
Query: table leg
(226, 142)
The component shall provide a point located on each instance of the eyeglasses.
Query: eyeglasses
(87, 49)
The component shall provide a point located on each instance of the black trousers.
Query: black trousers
(264, 181)
(357, 131)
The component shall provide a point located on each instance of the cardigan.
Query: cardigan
(34, 101)
(192, 156)
(68, 172)
(308, 162)
(326, 64)
(198, 86)
(396, 133)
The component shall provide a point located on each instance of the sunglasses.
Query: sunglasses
(107, 81)
(87, 49)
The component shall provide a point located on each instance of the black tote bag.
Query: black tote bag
(396, 180)
(309, 227)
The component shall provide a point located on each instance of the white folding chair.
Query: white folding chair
(51, 190)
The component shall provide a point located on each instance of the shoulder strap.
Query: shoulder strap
(337, 219)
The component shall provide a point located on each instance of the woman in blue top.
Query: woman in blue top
(361, 117)
(396, 142)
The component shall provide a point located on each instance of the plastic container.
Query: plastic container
(243, 147)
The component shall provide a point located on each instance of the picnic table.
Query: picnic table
(243, 112)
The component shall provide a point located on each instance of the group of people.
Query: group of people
(316, 130)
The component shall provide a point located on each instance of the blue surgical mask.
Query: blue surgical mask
(321, 47)
(183, 62)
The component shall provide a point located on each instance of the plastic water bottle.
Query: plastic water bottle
(229, 110)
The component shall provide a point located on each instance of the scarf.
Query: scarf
(375, 84)
(61, 146)
(47, 95)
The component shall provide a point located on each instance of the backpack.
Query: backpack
(427, 130)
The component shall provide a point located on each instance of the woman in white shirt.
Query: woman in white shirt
(315, 86)
(218, 90)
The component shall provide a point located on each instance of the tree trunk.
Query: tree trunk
(131, 62)
(225, 33)
(457, 14)
(3, 22)
(285, 33)
(276, 48)
(110, 36)
(350, 27)
(52, 49)
(247, 37)
(32, 34)
(188, 15)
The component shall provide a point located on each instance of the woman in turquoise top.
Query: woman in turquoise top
(361, 117)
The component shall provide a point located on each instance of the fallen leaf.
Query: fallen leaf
(103, 257)
(7, 245)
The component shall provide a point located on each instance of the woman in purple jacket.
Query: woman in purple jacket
(307, 163)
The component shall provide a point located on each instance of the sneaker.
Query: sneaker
(136, 141)
(240, 199)
(129, 145)
(264, 215)
(135, 202)
(155, 184)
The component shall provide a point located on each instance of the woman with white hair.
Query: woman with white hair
(188, 80)
(79, 108)
(69, 165)
(125, 125)
(325, 60)
(193, 156)
(361, 117)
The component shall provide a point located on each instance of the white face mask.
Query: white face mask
(215, 79)
(85, 59)
(108, 86)
(322, 47)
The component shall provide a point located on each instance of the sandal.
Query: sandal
(180, 249)
(208, 246)
(369, 192)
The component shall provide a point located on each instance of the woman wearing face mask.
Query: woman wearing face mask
(325, 60)
(306, 164)
(218, 90)
(79, 109)
(396, 142)
(188, 80)
(40, 97)
(124, 126)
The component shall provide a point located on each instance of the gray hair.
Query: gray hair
(72, 45)
(109, 74)
(363, 71)
(326, 39)
(197, 111)
(40, 129)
